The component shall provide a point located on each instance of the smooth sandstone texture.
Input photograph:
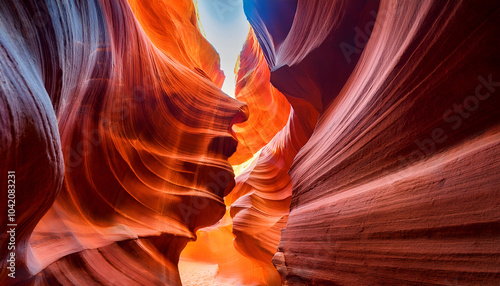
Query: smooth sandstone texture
(374, 124)
(262, 194)
(243, 242)
(268, 108)
(140, 128)
(399, 183)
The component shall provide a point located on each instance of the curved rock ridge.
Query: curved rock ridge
(262, 195)
(30, 147)
(268, 108)
(261, 198)
(144, 135)
(260, 201)
(183, 40)
(399, 182)
(301, 39)
(373, 125)
(214, 245)
(258, 205)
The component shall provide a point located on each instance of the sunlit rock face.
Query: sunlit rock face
(373, 125)
(399, 182)
(245, 240)
(268, 108)
(262, 194)
(301, 39)
(136, 120)
(172, 26)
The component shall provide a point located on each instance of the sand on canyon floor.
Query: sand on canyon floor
(198, 274)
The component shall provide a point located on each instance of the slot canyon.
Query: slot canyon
(348, 143)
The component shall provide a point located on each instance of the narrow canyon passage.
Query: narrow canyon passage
(250, 142)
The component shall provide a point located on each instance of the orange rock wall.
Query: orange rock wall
(138, 124)
(399, 182)
(268, 108)
(374, 126)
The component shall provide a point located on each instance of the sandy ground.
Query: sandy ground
(198, 274)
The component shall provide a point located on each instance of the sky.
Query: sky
(226, 28)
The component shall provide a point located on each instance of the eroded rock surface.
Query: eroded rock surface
(374, 126)
(399, 182)
(142, 126)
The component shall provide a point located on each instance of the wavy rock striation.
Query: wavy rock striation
(374, 127)
(262, 193)
(144, 137)
(399, 183)
(268, 108)
(247, 261)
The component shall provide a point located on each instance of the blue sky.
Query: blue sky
(226, 28)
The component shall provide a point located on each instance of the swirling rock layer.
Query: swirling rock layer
(262, 194)
(399, 182)
(268, 108)
(144, 134)
(374, 126)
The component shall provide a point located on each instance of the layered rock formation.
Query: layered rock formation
(262, 194)
(268, 108)
(246, 258)
(373, 126)
(399, 182)
(144, 131)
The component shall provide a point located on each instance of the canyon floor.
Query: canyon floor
(198, 274)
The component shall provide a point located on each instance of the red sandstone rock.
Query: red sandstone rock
(399, 183)
(382, 167)
(247, 260)
(268, 108)
(144, 132)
